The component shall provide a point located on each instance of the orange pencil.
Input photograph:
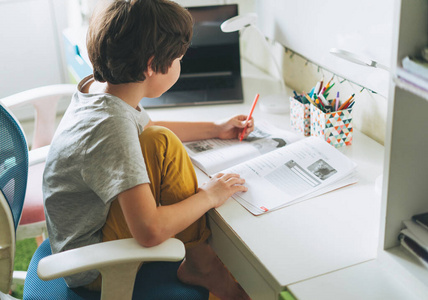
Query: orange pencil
(349, 104)
(241, 136)
(345, 104)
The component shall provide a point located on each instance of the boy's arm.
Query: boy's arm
(192, 131)
(150, 225)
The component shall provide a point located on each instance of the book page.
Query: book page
(291, 173)
(214, 155)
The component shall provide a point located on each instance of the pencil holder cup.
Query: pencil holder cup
(300, 117)
(335, 127)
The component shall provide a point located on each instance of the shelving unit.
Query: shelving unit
(405, 185)
(395, 274)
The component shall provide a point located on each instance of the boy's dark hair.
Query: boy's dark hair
(123, 36)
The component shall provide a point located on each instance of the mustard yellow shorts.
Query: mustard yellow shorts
(172, 178)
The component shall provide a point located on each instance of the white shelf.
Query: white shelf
(407, 269)
(405, 189)
(395, 274)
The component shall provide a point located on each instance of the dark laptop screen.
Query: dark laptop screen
(211, 67)
(212, 50)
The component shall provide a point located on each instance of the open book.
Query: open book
(279, 167)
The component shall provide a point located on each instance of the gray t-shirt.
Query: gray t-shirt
(94, 156)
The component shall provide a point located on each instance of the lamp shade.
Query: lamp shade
(239, 22)
(357, 59)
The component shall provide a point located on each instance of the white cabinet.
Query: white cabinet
(394, 274)
(405, 189)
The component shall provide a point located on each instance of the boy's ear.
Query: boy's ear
(150, 71)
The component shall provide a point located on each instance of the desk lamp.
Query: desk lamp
(357, 59)
(275, 103)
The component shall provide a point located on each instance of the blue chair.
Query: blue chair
(118, 261)
(43, 101)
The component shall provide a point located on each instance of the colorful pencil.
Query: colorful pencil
(345, 104)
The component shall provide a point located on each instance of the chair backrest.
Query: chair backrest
(13, 163)
(7, 245)
(13, 183)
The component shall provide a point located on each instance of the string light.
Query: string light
(322, 69)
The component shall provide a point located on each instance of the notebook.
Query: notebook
(211, 67)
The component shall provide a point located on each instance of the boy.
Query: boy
(113, 173)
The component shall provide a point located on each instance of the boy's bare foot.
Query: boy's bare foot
(202, 267)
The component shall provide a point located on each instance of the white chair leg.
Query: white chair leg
(118, 281)
(19, 277)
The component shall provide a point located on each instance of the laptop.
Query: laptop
(211, 67)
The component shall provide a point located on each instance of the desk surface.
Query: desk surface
(310, 238)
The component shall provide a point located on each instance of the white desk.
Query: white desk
(292, 247)
(267, 253)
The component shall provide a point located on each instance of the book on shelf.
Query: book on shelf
(415, 65)
(414, 238)
(414, 248)
(280, 168)
(412, 79)
(421, 219)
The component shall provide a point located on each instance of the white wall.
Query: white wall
(35, 53)
(30, 54)
(313, 27)
(309, 28)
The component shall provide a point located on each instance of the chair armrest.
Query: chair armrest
(38, 155)
(44, 100)
(107, 254)
(34, 95)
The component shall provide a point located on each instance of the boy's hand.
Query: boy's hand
(221, 187)
(230, 129)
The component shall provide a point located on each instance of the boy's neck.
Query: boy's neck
(131, 93)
